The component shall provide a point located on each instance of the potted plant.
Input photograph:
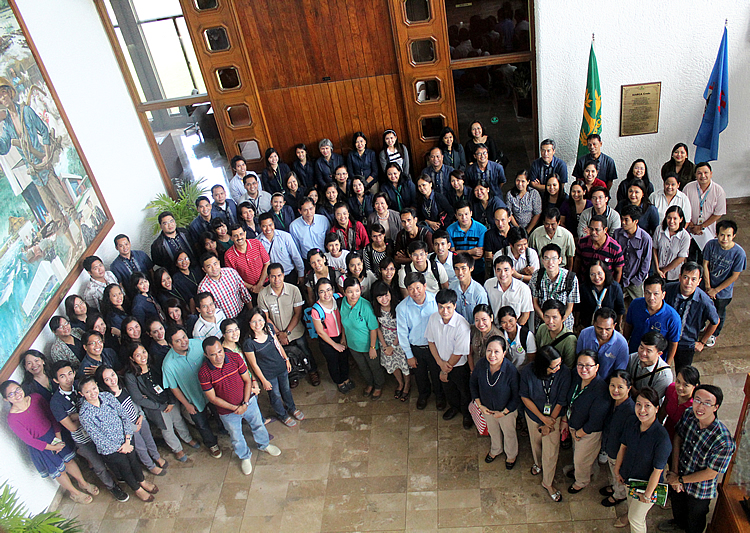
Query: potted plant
(15, 518)
(183, 208)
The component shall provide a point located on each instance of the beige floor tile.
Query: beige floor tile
(155, 525)
(118, 526)
(455, 499)
(421, 520)
(422, 501)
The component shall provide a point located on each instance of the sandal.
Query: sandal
(611, 501)
(607, 491)
(556, 496)
(377, 393)
(91, 489)
(621, 522)
(405, 396)
(535, 470)
(398, 393)
(289, 422)
(154, 490)
(367, 391)
(147, 499)
(82, 498)
(489, 458)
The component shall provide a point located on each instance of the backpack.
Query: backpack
(307, 316)
(433, 267)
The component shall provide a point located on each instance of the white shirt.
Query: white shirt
(518, 296)
(523, 261)
(451, 338)
(431, 284)
(203, 328)
(262, 203)
(662, 204)
(448, 268)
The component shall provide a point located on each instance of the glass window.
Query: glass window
(431, 126)
(148, 9)
(216, 39)
(239, 115)
(428, 90)
(487, 27)
(249, 150)
(417, 10)
(423, 51)
(202, 5)
(229, 78)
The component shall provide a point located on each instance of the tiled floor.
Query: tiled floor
(384, 466)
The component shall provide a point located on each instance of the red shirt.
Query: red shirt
(225, 381)
(674, 409)
(355, 237)
(250, 264)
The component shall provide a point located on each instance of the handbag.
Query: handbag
(479, 420)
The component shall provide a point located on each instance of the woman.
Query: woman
(361, 327)
(67, 345)
(31, 420)
(484, 205)
(678, 397)
(399, 187)
(326, 319)
(387, 274)
(328, 205)
(143, 382)
(221, 232)
(637, 196)
(208, 242)
(379, 248)
(327, 163)
(680, 165)
(104, 419)
(643, 456)
(157, 345)
(620, 415)
(670, 196)
(544, 393)
(145, 305)
(394, 152)
(187, 278)
(313, 194)
(115, 307)
(303, 169)
(360, 202)
(453, 153)
(477, 136)
(554, 195)
(271, 367)
(599, 289)
(77, 311)
(165, 288)
(385, 216)
(355, 268)
(520, 340)
(294, 193)
(494, 391)
(36, 375)
(525, 204)
(671, 245)
(343, 182)
(353, 232)
(458, 190)
(392, 355)
(318, 270)
(96, 322)
(178, 315)
(273, 175)
(570, 212)
(588, 403)
(282, 214)
(638, 171)
(590, 177)
(362, 162)
(132, 332)
(433, 208)
(482, 331)
(247, 216)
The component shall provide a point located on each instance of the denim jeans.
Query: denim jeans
(200, 419)
(721, 308)
(233, 424)
(280, 395)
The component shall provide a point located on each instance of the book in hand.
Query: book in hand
(636, 487)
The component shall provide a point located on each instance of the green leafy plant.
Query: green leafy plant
(14, 517)
(183, 208)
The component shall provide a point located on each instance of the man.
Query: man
(599, 245)
(440, 173)
(547, 165)
(202, 223)
(504, 290)
(708, 203)
(699, 316)
(281, 249)
(170, 242)
(258, 198)
(469, 291)
(525, 259)
(96, 355)
(412, 315)
(448, 336)
(554, 333)
(555, 282)
(647, 367)
(442, 253)
(180, 374)
(484, 169)
(609, 344)
(249, 258)
(129, 261)
(223, 207)
(228, 385)
(225, 285)
(652, 313)
(209, 317)
(607, 168)
(468, 235)
(99, 279)
(309, 230)
(237, 183)
(64, 407)
(723, 262)
(434, 273)
(701, 450)
(410, 232)
(282, 304)
(552, 232)
(636, 247)
(282, 214)
(496, 238)
(599, 206)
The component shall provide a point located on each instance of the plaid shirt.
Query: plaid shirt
(711, 447)
(555, 290)
(229, 291)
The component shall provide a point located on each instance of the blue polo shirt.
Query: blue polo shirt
(181, 371)
(700, 309)
(666, 321)
(539, 171)
(613, 354)
(466, 240)
(467, 301)
(723, 263)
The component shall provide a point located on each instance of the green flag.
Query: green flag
(592, 106)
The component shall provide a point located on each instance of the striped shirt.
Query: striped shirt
(610, 252)
(225, 381)
(250, 264)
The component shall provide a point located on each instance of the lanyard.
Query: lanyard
(702, 200)
(548, 389)
(281, 220)
(599, 299)
(576, 394)
(685, 311)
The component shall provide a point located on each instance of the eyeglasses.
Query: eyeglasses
(97, 342)
(15, 393)
(549, 259)
(231, 330)
(701, 402)
(581, 366)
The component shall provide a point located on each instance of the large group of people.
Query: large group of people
(541, 312)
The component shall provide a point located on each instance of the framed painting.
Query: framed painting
(52, 213)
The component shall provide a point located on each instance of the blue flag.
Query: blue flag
(716, 114)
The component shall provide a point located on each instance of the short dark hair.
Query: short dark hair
(551, 212)
(461, 204)
(726, 224)
(211, 340)
(606, 313)
(544, 357)
(552, 247)
(90, 333)
(711, 389)
(649, 394)
(599, 218)
(622, 374)
(208, 255)
(120, 236)
(502, 259)
(217, 222)
(515, 234)
(275, 266)
(655, 279)
(54, 322)
(593, 136)
(551, 304)
(409, 211)
(163, 215)
(201, 199)
(89, 262)
(654, 338)
(441, 234)
(233, 227)
(691, 266)
(172, 330)
(599, 189)
(416, 246)
(350, 281)
(703, 164)
(235, 159)
(588, 353)
(446, 296)
(59, 365)
(202, 296)
(414, 277)
(504, 311)
(632, 211)
(463, 258)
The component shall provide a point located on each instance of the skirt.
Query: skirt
(49, 463)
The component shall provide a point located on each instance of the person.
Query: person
(165, 289)
(273, 174)
(647, 367)
(225, 284)
(476, 137)
(543, 390)
(186, 278)
(99, 278)
(496, 237)
(652, 313)
(410, 232)
(32, 421)
(180, 375)
(484, 205)
(609, 344)
(636, 245)
(637, 171)
(227, 384)
(469, 291)
(680, 165)
(325, 165)
(115, 307)
(484, 168)
(400, 189)
(96, 355)
(360, 201)
(525, 204)
(393, 152)
(525, 259)
(598, 290)
(454, 154)
(259, 200)
(671, 245)
(708, 203)
(67, 345)
(504, 289)
(554, 333)
(144, 305)
(438, 172)
(599, 206)
(432, 205)
(319, 269)
(588, 405)
(223, 207)
(598, 244)
(156, 342)
(178, 315)
(361, 161)
(551, 232)
(553, 194)
(590, 180)
(282, 215)
(236, 184)
(170, 242)
(607, 168)
(482, 330)
(220, 231)
(385, 216)
(310, 229)
(701, 450)
(332, 199)
(670, 196)
(355, 269)
(326, 319)
(96, 322)
(246, 214)
(343, 184)
(392, 355)
(295, 192)
(106, 422)
(209, 317)
(723, 262)
(249, 259)
(620, 415)
(698, 313)
(467, 235)
(556, 282)
(128, 261)
(379, 248)
(303, 168)
(353, 233)
(548, 165)
(636, 196)
(520, 339)
(442, 253)
(37, 377)
(387, 274)
(678, 398)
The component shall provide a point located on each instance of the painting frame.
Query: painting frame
(72, 217)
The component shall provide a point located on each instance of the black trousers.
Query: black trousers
(200, 419)
(689, 512)
(338, 362)
(457, 388)
(683, 357)
(427, 373)
(125, 466)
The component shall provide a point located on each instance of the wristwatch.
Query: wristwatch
(680, 480)
(288, 332)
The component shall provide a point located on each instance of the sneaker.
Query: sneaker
(119, 494)
(289, 422)
(215, 451)
(669, 525)
(299, 415)
(711, 342)
(272, 450)
(603, 457)
(247, 466)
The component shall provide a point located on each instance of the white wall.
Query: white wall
(78, 57)
(674, 42)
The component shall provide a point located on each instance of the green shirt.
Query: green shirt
(566, 347)
(358, 321)
(181, 372)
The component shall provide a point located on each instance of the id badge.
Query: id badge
(568, 413)
(158, 389)
(547, 409)
(700, 219)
